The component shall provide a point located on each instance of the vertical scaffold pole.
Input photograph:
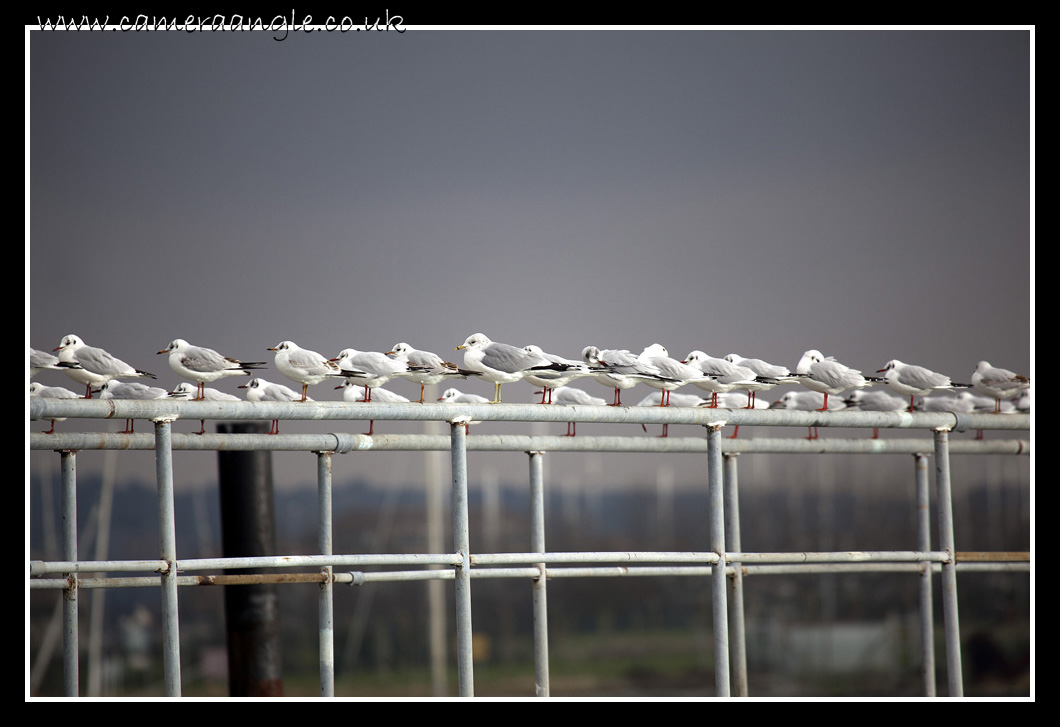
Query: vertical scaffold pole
(167, 533)
(732, 534)
(949, 568)
(537, 545)
(923, 544)
(717, 544)
(325, 602)
(462, 579)
(68, 501)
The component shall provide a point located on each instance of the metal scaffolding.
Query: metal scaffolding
(724, 562)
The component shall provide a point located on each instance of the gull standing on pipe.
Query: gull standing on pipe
(673, 373)
(198, 392)
(51, 392)
(115, 389)
(258, 389)
(550, 380)
(828, 376)
(571, 396)
(430, 368)
(996, 383)
(724, 376)
(502, 363)
(618, 369)
(303, 366)
(371, 368)
(95, 366)
(913, 381)
(765, 371)
(203, 365)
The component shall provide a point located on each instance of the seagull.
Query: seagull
(875, 401)
(617, 368)
(51, 392)
(353, 391)
(304, 366)
(41, 360)
(455, 396)
(198, 392)
(371, 368)
(502, 363)
(569, 395)
(828, 376)
(998, 383)
(807, 401)
(673, 373)
(95, 366)
(258, 389)
(674, 399)
(765, 371)
(430, 368)
(725, 376)
(913, 381)
(115, 389)
(203, 365)
(551, 380)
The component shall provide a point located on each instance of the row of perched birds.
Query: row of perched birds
(363, 374)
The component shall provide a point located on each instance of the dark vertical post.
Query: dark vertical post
(248, 529)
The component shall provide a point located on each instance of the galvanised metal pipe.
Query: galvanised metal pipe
(923, 542)
(539, 584)
(342, 443)
(358, 578)
(735, 574)
(168, 552)
(325, 599)
(949, 574)
(68, 500)
(462, 545)
(360, 411)
(717, 544)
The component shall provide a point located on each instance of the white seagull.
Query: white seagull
(551, 380)
(765, 371)
(807, 401)
(876, 400)
(617, 368)
(502, 363)
(203, 365)
(455, 396)
(41, 360)
(569, 395)
(724, 376)
(673, 373)
(913, 381)
(430, 368)
(828, 376)
(371, 368)
(354, 392)
(258, 389)
(673, 399)
(95, 366)
(51, 392)
(198, 392)
(304, 366)
(115, 389)
(998, 383)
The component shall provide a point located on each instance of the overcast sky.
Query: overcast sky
(865, 193)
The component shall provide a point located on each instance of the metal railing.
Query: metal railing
(724, 562)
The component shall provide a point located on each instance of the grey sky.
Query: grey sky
(865, 193)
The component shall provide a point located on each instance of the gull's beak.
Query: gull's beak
(272, 348)
(457, 348)
(164, 350)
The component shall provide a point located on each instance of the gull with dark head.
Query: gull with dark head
(94, 366)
